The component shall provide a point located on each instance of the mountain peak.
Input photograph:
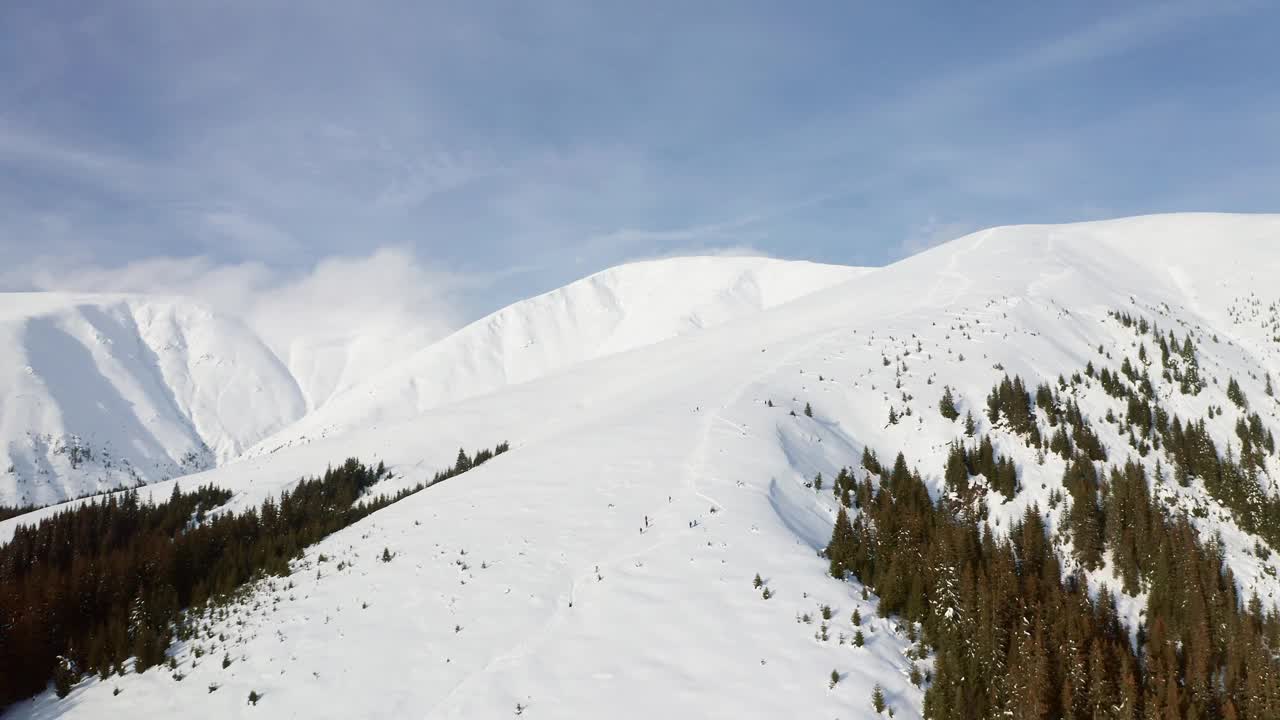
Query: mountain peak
(613, 311)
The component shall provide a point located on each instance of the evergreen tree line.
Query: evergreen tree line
(1231, 480)
(1009, 399)
(1178, 360)
(88, 589)
(1233, 477)
(1200, 651)
(980, 458)
(1014, 635)
(1010, 405)
(13, 511)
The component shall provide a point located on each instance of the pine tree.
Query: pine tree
(970, 427)
(835, 678)
(1102, 695)
(1236, 395)
(1081, 480)
(877, 699)
(957, 474)
(64, 676)
(463, 462)
(869, 461)
(947, 405)
(1128, 689)
(843, 546)
(1037, 702)
(808, 410)
(757, 582)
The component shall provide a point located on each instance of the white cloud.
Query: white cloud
(389, 296)
(23, 147)
(488, 140)
(389, 293)
(415, 180)
(251, 235)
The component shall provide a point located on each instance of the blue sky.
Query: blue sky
(507, 148)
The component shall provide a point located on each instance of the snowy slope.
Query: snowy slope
(534, 579)
(99, 392)
(102, 391)
(610, 312)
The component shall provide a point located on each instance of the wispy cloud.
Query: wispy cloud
(1129, 29)
(385, 304)
(24, 149)
(252, 235)
(536, 143)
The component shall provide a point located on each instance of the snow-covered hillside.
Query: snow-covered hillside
(610, 312)
(604, 567)
(99, 392)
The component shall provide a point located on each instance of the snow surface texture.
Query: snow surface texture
(603, 567)
(100, 392)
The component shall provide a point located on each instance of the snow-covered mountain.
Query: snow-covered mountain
(610, 312)
(98, 392)
(103, 391)
(662, 458)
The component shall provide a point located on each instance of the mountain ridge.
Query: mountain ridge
(605, 565)
(183, 417)
(608, 312)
